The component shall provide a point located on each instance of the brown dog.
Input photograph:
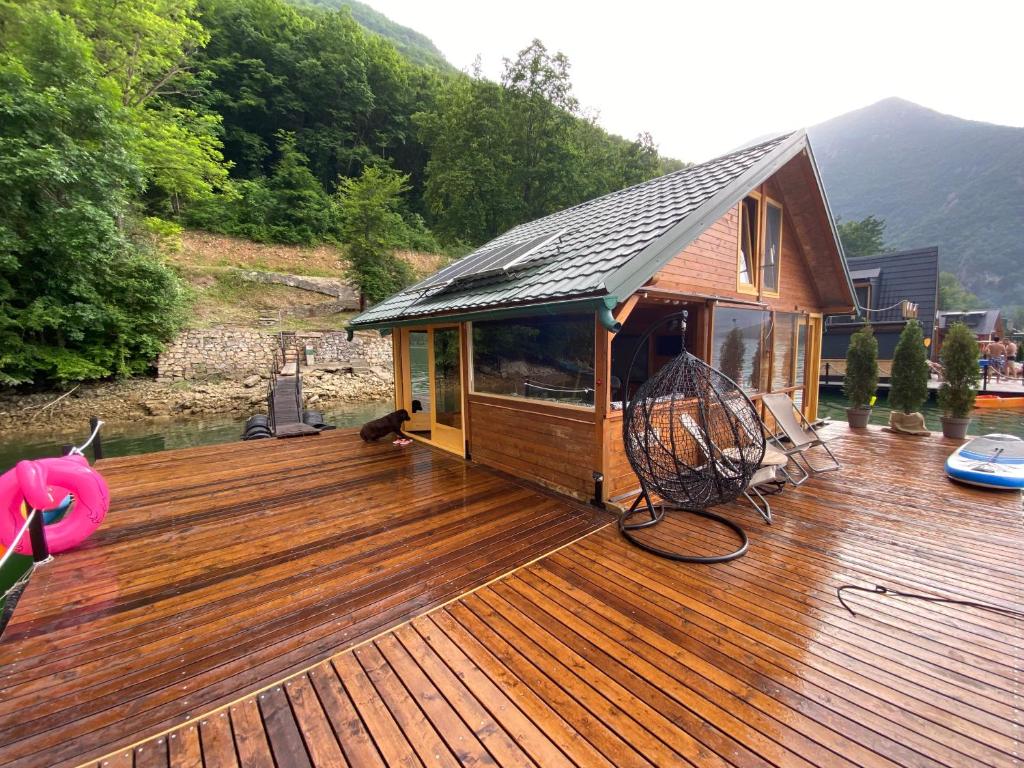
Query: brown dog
(385, 425)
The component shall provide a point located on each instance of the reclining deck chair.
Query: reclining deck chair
(800, 434)
(766, 473)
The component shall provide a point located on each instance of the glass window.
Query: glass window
(447, 387)
(738, 348)
(801, 362)
(784, 350)
(748, 240)
(543, 358)
(772, 247)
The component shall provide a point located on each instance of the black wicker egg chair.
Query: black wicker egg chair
(694, 440)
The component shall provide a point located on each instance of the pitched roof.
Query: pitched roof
(605, 248)
(981, 321)
(911, 274)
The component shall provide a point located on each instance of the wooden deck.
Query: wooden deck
(599, 654)
(221, 569)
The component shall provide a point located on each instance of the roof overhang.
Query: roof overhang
(601, 304)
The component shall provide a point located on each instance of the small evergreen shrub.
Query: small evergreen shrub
(909, 370)
(861, 379)
(959, 357)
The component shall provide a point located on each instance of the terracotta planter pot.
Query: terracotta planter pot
(954, 427)
(858, 418)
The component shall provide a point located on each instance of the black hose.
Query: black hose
(880, 590)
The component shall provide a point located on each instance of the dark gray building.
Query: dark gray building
(881, 283)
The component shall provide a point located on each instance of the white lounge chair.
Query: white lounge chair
(798, 436)
(766, 473)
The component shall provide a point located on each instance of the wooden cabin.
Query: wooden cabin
(891, 288)
(513, 356)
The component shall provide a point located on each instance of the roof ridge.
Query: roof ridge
(671, 174)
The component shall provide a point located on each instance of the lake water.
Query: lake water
(148, 436)
(984, 420)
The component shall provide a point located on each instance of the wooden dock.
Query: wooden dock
(595, 654)
(221, 569)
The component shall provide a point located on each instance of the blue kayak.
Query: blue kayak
(992, 461)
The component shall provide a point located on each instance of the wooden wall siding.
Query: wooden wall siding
(600, 654)
(220, 569)
(619, 477)
(551, 445)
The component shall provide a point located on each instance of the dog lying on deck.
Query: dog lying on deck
(385, 425)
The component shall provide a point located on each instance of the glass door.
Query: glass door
(446, 389)
(432, 371)
(418, 383)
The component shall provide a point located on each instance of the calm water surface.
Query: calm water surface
(148, 436)
(984, 420)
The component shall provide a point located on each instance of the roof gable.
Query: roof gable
(605, 248)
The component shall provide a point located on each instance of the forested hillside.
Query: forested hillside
(935, 180)
(122, 121)
(415, 46)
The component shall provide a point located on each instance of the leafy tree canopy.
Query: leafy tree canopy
(953, 295)
(79, 299)
(862, 238)
(372, 227)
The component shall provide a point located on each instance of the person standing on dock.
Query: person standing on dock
(996, 353)
(1012, 366)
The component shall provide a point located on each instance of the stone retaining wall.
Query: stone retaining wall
(225, 352)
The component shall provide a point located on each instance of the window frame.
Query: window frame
(752, 287)
(522, 399)
(776, 291)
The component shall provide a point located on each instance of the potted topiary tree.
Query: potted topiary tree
(909, 381)
(861, 379)
(959, 357)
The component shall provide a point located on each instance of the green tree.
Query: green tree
(953, 295)
(959, 356)
(732, 354)
(371, 228)
(862, 238)
(148, 50)
(300, 211)
(909, 381)
(78, 298)
(861, 379)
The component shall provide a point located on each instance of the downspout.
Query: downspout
(605, 316)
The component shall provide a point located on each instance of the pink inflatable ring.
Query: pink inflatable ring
(42, 484)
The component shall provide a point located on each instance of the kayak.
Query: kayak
(992, 461)
(998, 401)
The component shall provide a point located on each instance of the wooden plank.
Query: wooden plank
(390, 740)
(250, 736)
(283, 732)
(316, 729)
(348, 727)
(185, 748)
(217, 741)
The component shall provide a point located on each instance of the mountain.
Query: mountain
(416, 46)
(936, 180)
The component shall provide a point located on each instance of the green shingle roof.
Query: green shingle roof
(607, 247)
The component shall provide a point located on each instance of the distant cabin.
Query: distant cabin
(514, 356)
(882, 283)
(985, 324)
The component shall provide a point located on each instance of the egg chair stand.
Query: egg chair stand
(694, 440)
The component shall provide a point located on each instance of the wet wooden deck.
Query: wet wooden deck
(221, 569)
(600, 654)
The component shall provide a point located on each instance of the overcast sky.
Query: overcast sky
(705, 77)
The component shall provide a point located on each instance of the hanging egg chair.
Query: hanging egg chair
(694, 439)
